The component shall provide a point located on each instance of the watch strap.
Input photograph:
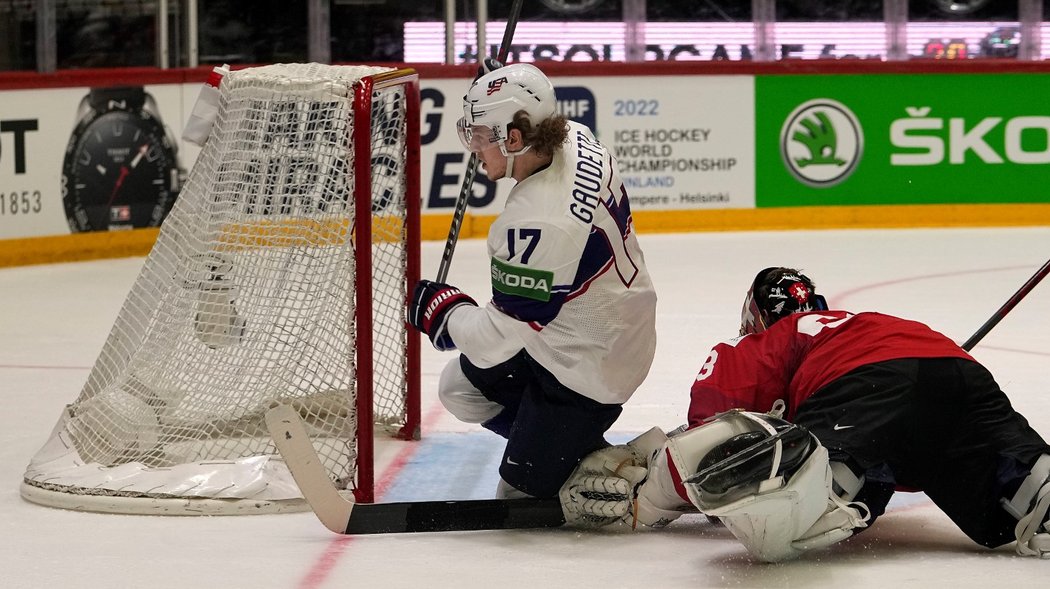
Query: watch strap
(117, 98)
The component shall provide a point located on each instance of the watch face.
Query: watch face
(119, 172)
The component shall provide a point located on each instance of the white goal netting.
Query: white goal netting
(280, 275)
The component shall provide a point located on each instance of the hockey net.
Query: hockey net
(281, 275)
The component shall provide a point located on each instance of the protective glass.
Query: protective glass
(475, 138)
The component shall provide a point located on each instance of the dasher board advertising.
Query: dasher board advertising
(902, 139)
(681, 142)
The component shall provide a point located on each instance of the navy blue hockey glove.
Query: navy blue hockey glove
(428, 311)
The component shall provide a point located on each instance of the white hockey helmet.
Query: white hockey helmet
(493, 99)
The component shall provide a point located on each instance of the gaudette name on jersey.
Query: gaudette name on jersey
(588, 179)
(521, 281)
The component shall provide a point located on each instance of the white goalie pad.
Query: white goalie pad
(778, 500)
(767, 523)
(1030, 506)
(658, 500)
(769, 481)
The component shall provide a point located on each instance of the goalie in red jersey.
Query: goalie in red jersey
(801, 428)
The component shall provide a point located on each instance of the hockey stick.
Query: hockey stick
(343, 516)
(472, 162)
(1007, 306)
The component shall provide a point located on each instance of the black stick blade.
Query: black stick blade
(451, 516)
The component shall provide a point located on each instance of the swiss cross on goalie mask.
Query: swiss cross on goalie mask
(789, 295)
(799, 292)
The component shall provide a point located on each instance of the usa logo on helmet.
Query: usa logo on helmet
(495, 85)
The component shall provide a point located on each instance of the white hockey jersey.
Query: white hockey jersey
(569, 282)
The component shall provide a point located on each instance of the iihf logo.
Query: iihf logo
(495, 85)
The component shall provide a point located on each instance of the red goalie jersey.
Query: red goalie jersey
(785, 364)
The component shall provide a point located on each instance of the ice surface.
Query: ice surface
(56, 317)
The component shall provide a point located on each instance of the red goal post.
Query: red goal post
(410, 429)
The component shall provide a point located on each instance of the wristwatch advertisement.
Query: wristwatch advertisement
(120, 169)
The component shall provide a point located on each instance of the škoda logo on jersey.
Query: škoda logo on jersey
(521, 281)
(495, 85)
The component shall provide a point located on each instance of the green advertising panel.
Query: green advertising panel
(902, 139)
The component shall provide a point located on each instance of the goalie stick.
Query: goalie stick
(1007, 306)
(343, 516)
(472, 162)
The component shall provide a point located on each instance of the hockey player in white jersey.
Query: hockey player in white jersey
(569, 332)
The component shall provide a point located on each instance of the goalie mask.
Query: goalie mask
(493, 99)
(775, 294)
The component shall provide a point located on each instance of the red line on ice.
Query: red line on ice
(326, 563)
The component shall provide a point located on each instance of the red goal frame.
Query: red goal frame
(364, 490)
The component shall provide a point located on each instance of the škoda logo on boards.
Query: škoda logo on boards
(821, 142)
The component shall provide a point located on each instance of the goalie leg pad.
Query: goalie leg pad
(662, 498)
(684, 452)
(657, 501)
(783, 523)
(646, 445)
(772, 486)
(839, 521)
(1031, 505)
